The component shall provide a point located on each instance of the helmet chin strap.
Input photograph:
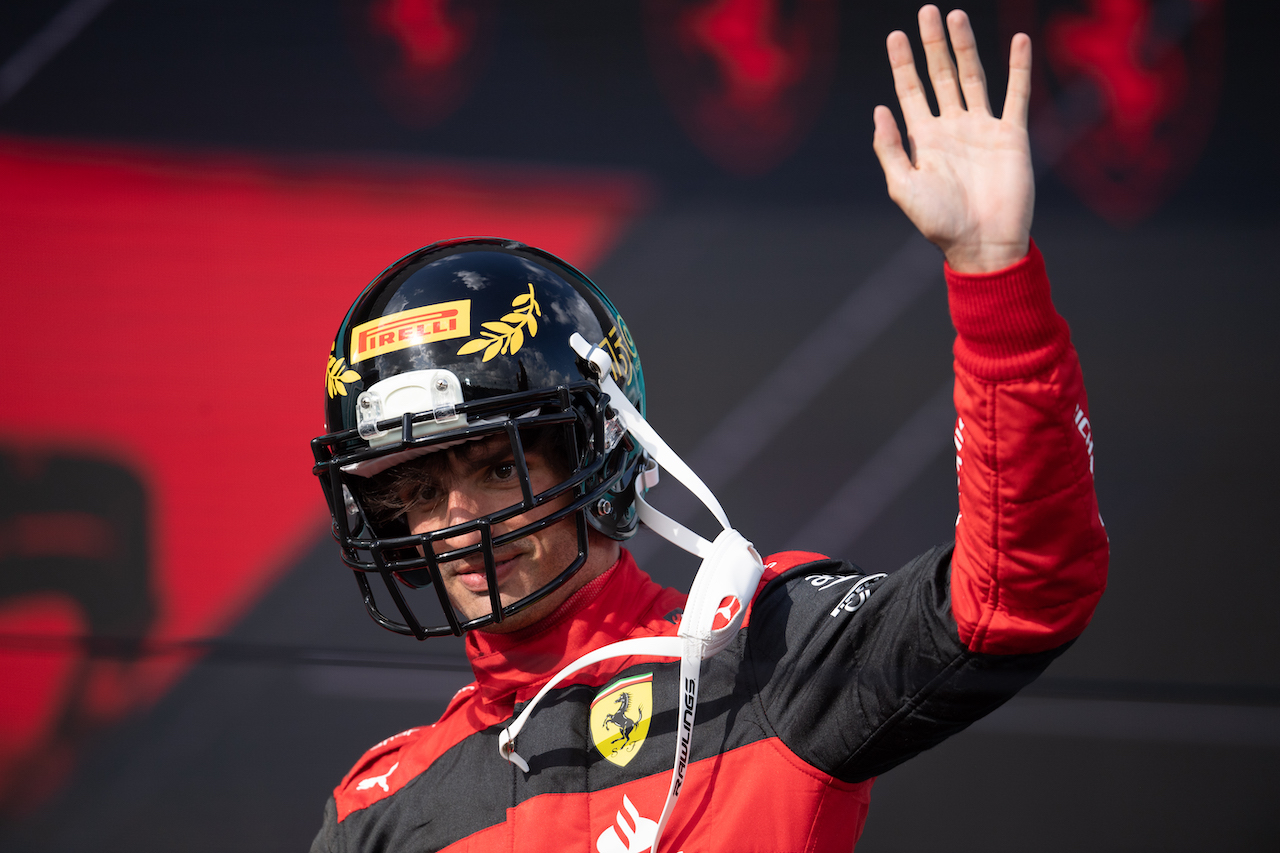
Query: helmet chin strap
(724, 585)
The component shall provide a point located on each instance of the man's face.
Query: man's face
(480, 477)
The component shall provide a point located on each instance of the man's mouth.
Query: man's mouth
(473, 579)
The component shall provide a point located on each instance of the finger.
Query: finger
(973, 80)
(1018, 95)
(938, 56)
(906, 82)
(887, 143)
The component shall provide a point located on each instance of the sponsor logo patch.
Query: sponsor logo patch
(377, 781)
(425, 325)
(620, 717)
(631, 833)
(380, 744)
(856, 596)
(725, 613)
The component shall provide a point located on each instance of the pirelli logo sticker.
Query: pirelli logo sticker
(425, 325)
(620, 717)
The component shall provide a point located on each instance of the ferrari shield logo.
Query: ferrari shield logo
(746, 78)
(422, 56)
(1125, 93)
(620, 717)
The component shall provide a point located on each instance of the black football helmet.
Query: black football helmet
(461, 340)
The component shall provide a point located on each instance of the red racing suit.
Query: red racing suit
(836, 676)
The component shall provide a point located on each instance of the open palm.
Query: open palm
(967, 183)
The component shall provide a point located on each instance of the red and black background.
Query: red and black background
(192, 193)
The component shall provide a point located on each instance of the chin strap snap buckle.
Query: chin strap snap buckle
(507, 749)
(596, 357)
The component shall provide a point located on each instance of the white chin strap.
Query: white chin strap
(724, 585)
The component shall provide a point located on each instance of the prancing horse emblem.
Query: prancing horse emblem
(625, 724)
(620, 717)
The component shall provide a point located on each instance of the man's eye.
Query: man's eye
(425, 496)
(505, 471)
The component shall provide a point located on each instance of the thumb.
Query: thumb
(887, 143)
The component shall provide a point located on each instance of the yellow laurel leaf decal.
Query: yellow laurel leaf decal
(507, 334)
(337, 375)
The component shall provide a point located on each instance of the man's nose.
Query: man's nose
(461, 505)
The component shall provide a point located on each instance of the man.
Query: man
(489, 454)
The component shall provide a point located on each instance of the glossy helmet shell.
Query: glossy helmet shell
(479, 330)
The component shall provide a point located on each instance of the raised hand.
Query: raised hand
(967, 183)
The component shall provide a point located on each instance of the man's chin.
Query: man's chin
(516, 621)
(474, 604)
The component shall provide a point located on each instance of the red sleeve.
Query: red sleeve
(1031, 553)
